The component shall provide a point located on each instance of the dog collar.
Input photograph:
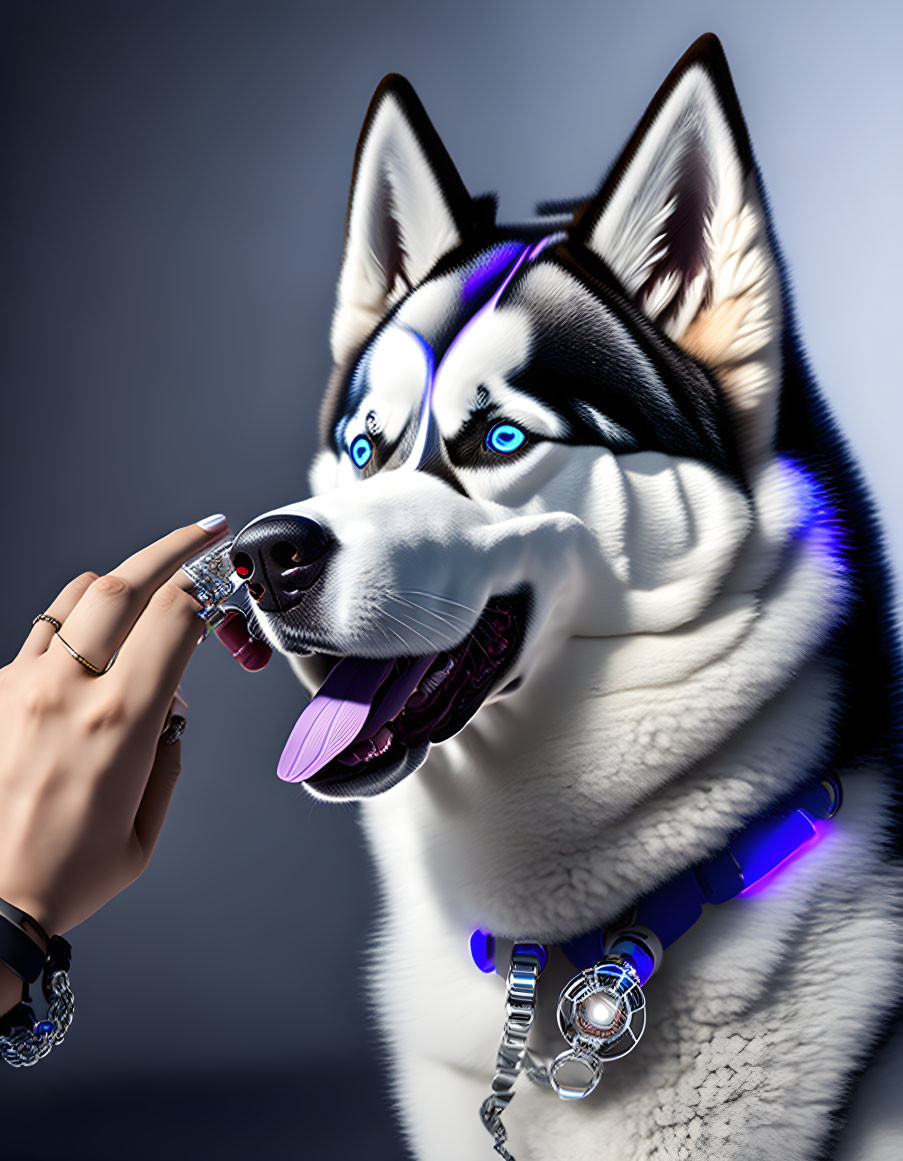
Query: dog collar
(602, 1010)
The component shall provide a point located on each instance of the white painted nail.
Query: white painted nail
(211, 523)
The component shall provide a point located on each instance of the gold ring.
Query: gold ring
(47, 617)
(82, 660)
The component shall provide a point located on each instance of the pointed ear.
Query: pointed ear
(407, 207)
(682, 223)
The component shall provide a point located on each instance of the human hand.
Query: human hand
(84, 781)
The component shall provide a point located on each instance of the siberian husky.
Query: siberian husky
(596, 583)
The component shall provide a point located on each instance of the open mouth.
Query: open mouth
(372, 721)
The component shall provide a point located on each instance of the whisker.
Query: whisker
(438, 597)
(433, 647)
(385, 636)
(444, 618)
(412, 621)
(388, 628)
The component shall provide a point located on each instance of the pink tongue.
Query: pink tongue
(334, 717)
(340, 710)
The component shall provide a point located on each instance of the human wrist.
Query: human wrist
(10, 988)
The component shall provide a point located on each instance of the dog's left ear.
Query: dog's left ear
(407, 208)
(681, 222)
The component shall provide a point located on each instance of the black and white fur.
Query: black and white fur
(709, 626)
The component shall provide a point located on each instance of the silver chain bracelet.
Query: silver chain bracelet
(23, 1046)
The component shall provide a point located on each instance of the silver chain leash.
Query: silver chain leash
(520, 1005)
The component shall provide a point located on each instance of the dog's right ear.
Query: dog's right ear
(407, 208)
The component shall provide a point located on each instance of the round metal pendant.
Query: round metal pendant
(602, 1011)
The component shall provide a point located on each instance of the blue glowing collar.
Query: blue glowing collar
(602, 1010)
(743, 867)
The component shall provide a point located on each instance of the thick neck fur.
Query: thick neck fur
(626, 759)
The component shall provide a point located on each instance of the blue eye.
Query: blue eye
(504, 437)
(361, 451)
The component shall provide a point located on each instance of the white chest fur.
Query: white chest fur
(754, 1022)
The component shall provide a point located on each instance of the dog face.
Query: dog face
(531, 433)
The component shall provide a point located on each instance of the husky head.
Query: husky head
(531, 435)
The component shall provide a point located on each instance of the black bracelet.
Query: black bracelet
(59, 958)
(24, 943)
(21, 1016)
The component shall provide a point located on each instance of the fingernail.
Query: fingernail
(174, 730)
(212, 523)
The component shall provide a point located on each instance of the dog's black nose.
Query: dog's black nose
(281, 557)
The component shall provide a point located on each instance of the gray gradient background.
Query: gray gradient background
(174, 177)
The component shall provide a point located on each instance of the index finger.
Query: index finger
(154, 656)
(104, 616)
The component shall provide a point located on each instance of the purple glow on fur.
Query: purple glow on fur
(426, 402)
(526, 253)
(488, 270)
(819, 522)
(542, 244)
(491, 304)
(821, 828)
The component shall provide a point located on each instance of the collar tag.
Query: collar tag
(602, 1015)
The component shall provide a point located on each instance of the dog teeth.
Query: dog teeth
(368, 749)
(432, 683)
